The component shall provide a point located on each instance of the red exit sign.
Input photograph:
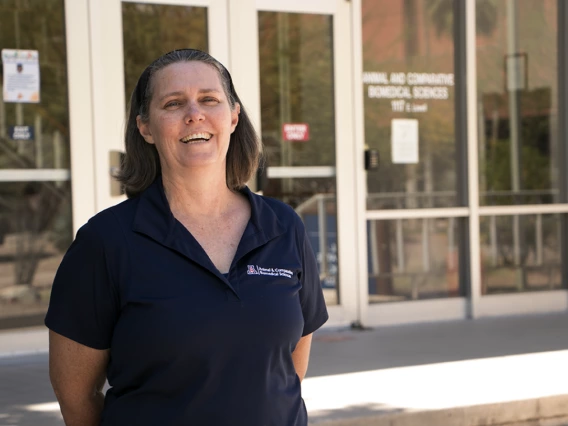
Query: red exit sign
(296, 132)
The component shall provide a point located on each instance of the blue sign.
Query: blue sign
(21, 133)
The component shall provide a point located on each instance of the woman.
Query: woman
(195, 298)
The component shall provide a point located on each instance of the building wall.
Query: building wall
(289, 59)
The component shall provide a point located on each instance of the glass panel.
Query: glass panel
(413, 259)
(517, 73)
(408, 64)
(298, 127)
(35, 217)
(150, 30)
(520, 253)
(36, 25)
(35, 232)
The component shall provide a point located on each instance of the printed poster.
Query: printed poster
(21, 75)
(404, 141)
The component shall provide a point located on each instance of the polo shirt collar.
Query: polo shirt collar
(153, 216)
(264, 225)
(155, 219)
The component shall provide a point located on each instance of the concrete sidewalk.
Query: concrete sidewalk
(485, 372)
(23, 341)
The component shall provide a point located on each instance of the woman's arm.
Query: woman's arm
(301, 356)
(77, 374)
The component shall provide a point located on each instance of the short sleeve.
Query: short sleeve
(84, 302)
(311, 294)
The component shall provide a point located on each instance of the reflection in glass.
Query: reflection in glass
(320, 218)
(297, 87)
(35, 217)
(150, 30)
(413, 259)
(528, 263)
(408, 73)
(517, 74)
(296, 77)
(40, 28)
(35, 231)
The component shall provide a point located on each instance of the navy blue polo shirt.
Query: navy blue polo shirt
(188, 345)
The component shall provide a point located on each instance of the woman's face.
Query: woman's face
(190, 118)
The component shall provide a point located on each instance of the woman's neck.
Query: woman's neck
(198, 194)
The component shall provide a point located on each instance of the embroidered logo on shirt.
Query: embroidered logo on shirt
(251, 270)
(274, 272)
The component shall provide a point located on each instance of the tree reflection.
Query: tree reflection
(35, 217)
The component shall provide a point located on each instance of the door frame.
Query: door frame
(347, 311)
(393, 312)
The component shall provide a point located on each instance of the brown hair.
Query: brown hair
(141, 164)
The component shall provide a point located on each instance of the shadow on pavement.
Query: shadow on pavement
(24, 383)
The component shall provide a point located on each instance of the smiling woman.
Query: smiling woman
(190, 277)
(214, 90)
(188, 105)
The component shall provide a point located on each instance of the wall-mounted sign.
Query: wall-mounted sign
(408, 92)
(21, 75)
(404, 141)
(21, 133)
(296, 132)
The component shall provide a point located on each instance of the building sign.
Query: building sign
(21, 75)
(21, 133)
(296, 132)
(408, 92)
(404, 141)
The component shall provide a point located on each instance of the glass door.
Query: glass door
(305, 95)
(415, 214)
(35, 178)
(128, 36)
(521, 157)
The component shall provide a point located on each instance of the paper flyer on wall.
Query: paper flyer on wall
(21, 75)
(404, 141)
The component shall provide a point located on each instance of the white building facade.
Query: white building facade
(423, 142)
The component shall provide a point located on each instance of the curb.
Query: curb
(545, 411)
(20, 354)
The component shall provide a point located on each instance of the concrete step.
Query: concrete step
(547, 411)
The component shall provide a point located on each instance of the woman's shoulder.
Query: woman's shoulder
(280, 208)
(280, 212)
(109, 221)
(277, 205)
